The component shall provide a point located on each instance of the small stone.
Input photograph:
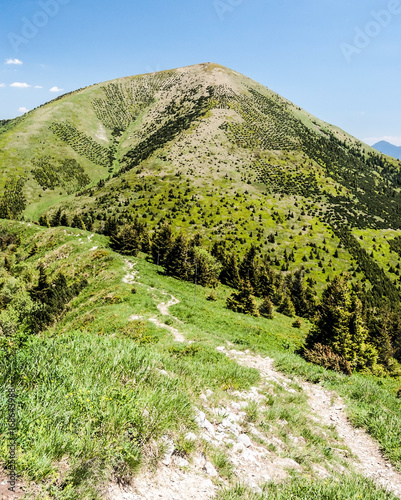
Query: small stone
(243, 438)
(200, 417)
(169, 451)
(199, 460)
(203, 397)
(220, 436)
(208, 426)
(209, 392)
(221, 348)
(225, 423)
(191, 436)
(181, 462)
(239, 447)
(210, 470)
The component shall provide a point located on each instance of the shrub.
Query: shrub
(266, 308)
(297, 323)
(243, 301)
(322, 355)
(287, 307)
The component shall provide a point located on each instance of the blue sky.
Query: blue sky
(340, 60)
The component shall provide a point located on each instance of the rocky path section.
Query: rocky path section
(371, 462)
(166, 484)
(130, 279)
(328, 407)
(225, 427)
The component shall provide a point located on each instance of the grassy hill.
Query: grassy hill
(112, 357)
(101, 386)
(210, 151)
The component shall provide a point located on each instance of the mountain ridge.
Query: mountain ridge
(172, 146)
(389, 149)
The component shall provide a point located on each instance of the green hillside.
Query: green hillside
(104, 380)
(210, 151)
(159, 235)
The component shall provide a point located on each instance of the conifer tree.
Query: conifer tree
(243, 301)
(110, 227)
(44, 221)
(78, 222)
(146, 243)
(266, 281)
(341, 327)
(266, 308)
(230, 272)
(178, 260)
(301, 294)
(248, 267)
(207, 267)
(286, 306)
(219, 251)
(162, 243)
(55, 220)
(64, 220)
(127, 241)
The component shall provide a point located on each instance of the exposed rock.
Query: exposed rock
(243, 438)
(210, 470)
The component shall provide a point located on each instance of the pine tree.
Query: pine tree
(266, 308)
(207, 267)
(243, 301)
(286, 307)
(230, 273)
(340, 325)
(127, 241)
(248, 267)
(44, 221)
(110, 227)
(146, 243)
(266, 281)
(302, 295)
(64, 220)
(178, 260)
(219, 251)
(55, 220)
(162, 243)
(78, 222)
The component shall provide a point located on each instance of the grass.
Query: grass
(94, 398)
(372, 402)
(340, 488)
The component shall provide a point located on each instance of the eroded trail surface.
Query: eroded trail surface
(255, 457)
(163, 307)
(329, 408)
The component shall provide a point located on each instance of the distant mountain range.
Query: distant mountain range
(388, 149)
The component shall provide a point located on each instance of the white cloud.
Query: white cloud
(2, 84)
(56, 89)
(389, 138)
(20, 85)
(22, 109)
(38, 87)
(13, 61)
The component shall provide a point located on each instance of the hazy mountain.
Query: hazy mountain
(388, 149)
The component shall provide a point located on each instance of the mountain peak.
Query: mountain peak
(389, 149)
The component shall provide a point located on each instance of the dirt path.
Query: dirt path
(329, 409)
(371, 464)
(253, 463)
(163, 307)
(130, 277)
